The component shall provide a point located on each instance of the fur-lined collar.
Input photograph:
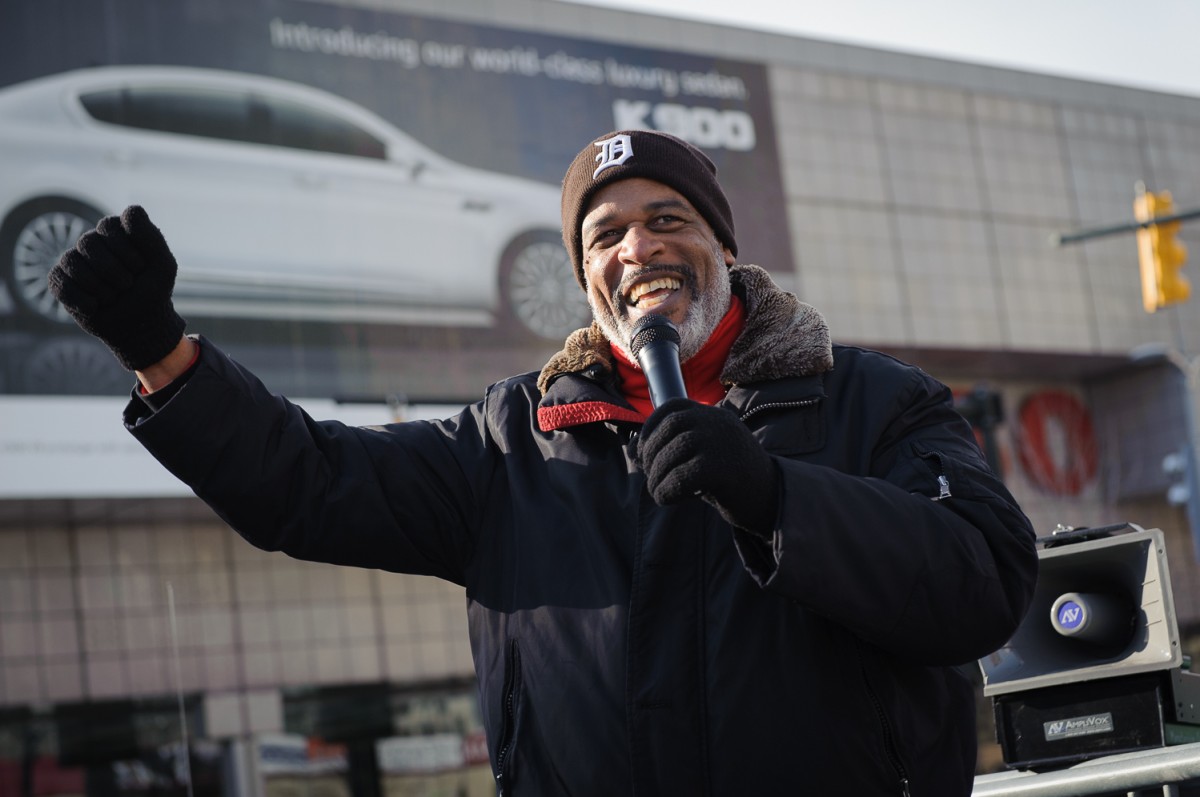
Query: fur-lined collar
(783, 337)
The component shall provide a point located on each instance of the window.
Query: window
(190, 111)
(232, 116)
(300, 126)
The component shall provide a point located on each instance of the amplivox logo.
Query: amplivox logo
(1078, 726)
(1070, 614)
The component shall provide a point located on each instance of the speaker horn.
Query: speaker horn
(1102, 608)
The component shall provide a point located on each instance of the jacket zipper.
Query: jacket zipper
(779, 405)
(511, 680)
(889, 740)
(942, 482)
(943, 488)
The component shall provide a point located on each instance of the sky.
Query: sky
(1148, 44)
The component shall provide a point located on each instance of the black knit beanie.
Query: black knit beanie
(642, 153)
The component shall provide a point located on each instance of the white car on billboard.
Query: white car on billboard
(279, 200)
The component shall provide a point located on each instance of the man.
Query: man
(763, 589)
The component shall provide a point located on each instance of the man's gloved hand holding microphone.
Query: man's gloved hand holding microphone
(690, 449)
(117, 282)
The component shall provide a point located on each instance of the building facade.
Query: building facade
(912, 200)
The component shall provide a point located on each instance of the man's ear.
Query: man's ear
(730, 260)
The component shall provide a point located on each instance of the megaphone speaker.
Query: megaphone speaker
(1101, 608)
(1096, 666)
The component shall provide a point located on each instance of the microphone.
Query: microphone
(655, 345)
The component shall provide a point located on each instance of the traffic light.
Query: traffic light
(1160, 254)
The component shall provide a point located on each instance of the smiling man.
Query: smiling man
(643, 246)
(764, 588)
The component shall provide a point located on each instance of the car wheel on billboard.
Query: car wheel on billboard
(538, 289)
(32, 239)
(74, 366)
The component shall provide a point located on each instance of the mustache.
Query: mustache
(684, 272)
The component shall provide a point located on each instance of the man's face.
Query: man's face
(647, 250)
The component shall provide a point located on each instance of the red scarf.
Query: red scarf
(701, 374)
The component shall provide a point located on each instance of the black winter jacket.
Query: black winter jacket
(626, 648)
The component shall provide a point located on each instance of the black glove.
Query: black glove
(116, 283)
(688, 448)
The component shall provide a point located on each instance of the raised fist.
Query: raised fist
(117, 282)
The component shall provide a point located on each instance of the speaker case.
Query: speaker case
(1061, 725)
(1058, 700)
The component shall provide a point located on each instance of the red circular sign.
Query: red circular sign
(1056, 442)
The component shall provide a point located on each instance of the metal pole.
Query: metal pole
(1114, 229)
(1191, 377)
(1189, 368)
(1128, 772)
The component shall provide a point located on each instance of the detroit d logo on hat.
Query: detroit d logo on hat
(661, 157)
(613, 152)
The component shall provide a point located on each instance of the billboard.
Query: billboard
(363, 203)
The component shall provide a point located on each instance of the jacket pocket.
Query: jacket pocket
(789, 429)
(935, 474)
(944, 472)
(508, 729)
(886, 731)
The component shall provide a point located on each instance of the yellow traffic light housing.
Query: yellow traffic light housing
(1160, 254)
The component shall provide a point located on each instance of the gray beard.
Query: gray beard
(703, 314)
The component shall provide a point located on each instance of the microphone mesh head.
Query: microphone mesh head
(651, 328)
